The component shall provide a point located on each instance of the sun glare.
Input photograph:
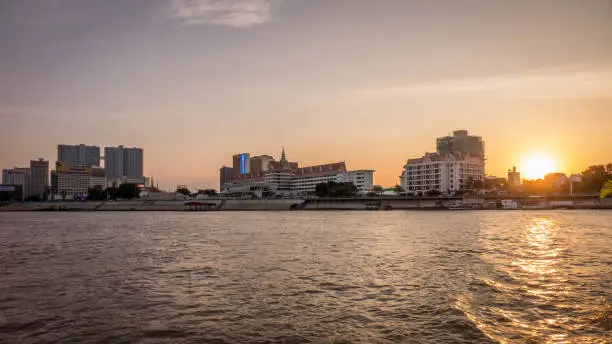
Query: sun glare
(536, 166)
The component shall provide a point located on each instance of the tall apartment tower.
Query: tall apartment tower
(241, 164)
(461, 144)
(123, 162)
(39, 177)
(79, 154)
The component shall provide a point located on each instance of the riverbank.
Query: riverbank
(298, 204)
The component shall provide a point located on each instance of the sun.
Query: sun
(537, 165)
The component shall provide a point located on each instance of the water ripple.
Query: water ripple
(306, 277)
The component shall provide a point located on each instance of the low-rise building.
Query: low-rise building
(10, 193)
(514, 178)
(18, 176)
(363, 179)
(115, 182)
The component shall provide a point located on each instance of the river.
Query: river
(306, 277)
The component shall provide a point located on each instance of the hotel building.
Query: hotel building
(459, 159)
(76, 179)
(447, 174)
(288, 179)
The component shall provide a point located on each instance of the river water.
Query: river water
(306, 277)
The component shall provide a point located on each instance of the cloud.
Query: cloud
(235, 13)
(569, 83)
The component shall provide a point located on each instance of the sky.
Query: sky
(372, 83)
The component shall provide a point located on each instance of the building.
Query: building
(260, 163)
(133, 162)
(10, 193)
(79, 154)
(116, 182)
(98, 177)
(514, 178)
(363, 179)
(76, 179)
(288, 179)
(54, 182)
(241, 164)
(306, 179)
(122, 162)
(72, 179)
(461, 144)
(446, 174)
(39, 177)
(225, 176)
(18, 176)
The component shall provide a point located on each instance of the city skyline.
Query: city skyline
(370, 83)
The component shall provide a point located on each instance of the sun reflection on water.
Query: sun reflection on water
(531, 295)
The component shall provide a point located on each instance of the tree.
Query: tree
(333, 189)
(183, 190)
(594, 177)
(95, 194)
(378, 189)
(342, 189)
(398, 189)
(322, 190)
(111, 193)
(127, 191)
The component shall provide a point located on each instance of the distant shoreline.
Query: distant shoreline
(361, 204)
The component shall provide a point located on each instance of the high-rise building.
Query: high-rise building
(241, 164)
(79, 154)
(260, 163)
(461, 144)
(446, 174)
(133, 162)
(18, 176)
(39, 177)
(514, 177)
(122, 162)
(225, 176)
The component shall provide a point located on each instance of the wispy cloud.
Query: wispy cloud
(553, 83)
(235, 13)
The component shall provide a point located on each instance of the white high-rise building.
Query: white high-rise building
(122, 162)
(446, 174)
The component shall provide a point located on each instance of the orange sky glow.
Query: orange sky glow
(372, 84)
